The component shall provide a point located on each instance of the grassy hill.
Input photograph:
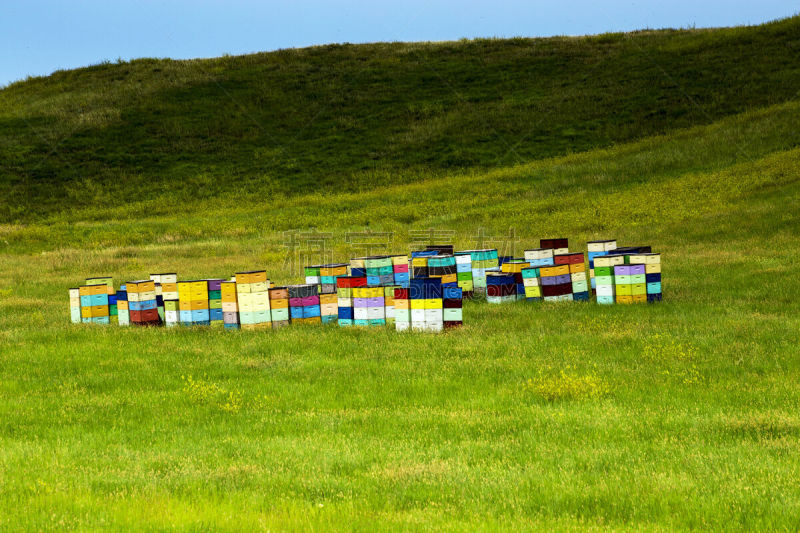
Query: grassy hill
(676, 416)
(347, 117)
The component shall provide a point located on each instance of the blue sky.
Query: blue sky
(40, 36)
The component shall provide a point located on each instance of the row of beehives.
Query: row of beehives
(424, 292)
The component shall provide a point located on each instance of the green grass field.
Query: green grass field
(677, 416)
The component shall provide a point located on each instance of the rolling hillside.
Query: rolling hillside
(534, 416)
(347, 117)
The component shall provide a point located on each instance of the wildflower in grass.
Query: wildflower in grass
(567, 385)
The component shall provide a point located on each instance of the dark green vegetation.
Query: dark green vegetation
(349, 117)
(676, 416)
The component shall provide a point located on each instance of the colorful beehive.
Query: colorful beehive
(328, 307)
(652, 270)
(539, 257)
(577, 274)
(279, 306)
(142, 306)
(171, 280)
(369, 306)
(215, 313)
(515, 267)
(452, 303)
(252, 295)
(483, 261)
(630, 284)
(328, 275)
(229, 304)
(464, 273)
(111, 300)
(426, 305)
(345, 287)
(193, 303)
(532, 283)
(556, 283)
(172, 311)
(75, 305)
(123, 309)
(312, 273)
(400, 269)
(379, 270)
(402, 309)
(501, 287)
(596, 249)
(443, 267)
(304, 306)
(604, 277)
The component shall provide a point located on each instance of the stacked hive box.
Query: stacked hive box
(630, 284)
(328, 275)
(388, 304)
(313, 274)
(252, 295)
(464, 273)
(452, 302)
(539, 257)
(369, 306)
(345, 287)
(379, 271)
(94, 304)
(483, 261)
(230, 304)
(279, 306)
(215, 313)
(532, 283)
(192, 303)
(501, 287)
(577, 273)
(400, 270)
(75, 305)
(556, 283)
(402, 309)
(112, 295)
(652, 269)
(304, 305)
(515, 267)
(425, 302)
(123, 310)
(444, 268)
(142, 307)
(167, 301)
(604, 277)
(596, 249)
(328, 308)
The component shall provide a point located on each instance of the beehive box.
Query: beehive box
(123, 310)
(425, 297)
(483, 261)
(532, 283)
(369, 306)
(576, 263)
(75, 305)
(559, 246)
(312, 273)
(501, 287)
(452, 307)
(464, 274)
(604, 277)
(279, 306)
(328, 275)
(229, 304)
(304, 304)
(401, 270)
(142, 306)
(94, 304)
(556, 283)
(443, 267)
(345, 286)
(252, 294)
(595, 249)
(193, 307)
(539, 257)
(652, 271)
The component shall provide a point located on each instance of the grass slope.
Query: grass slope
(347, 117)
(666, 417)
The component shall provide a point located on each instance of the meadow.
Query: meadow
(681, 415)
